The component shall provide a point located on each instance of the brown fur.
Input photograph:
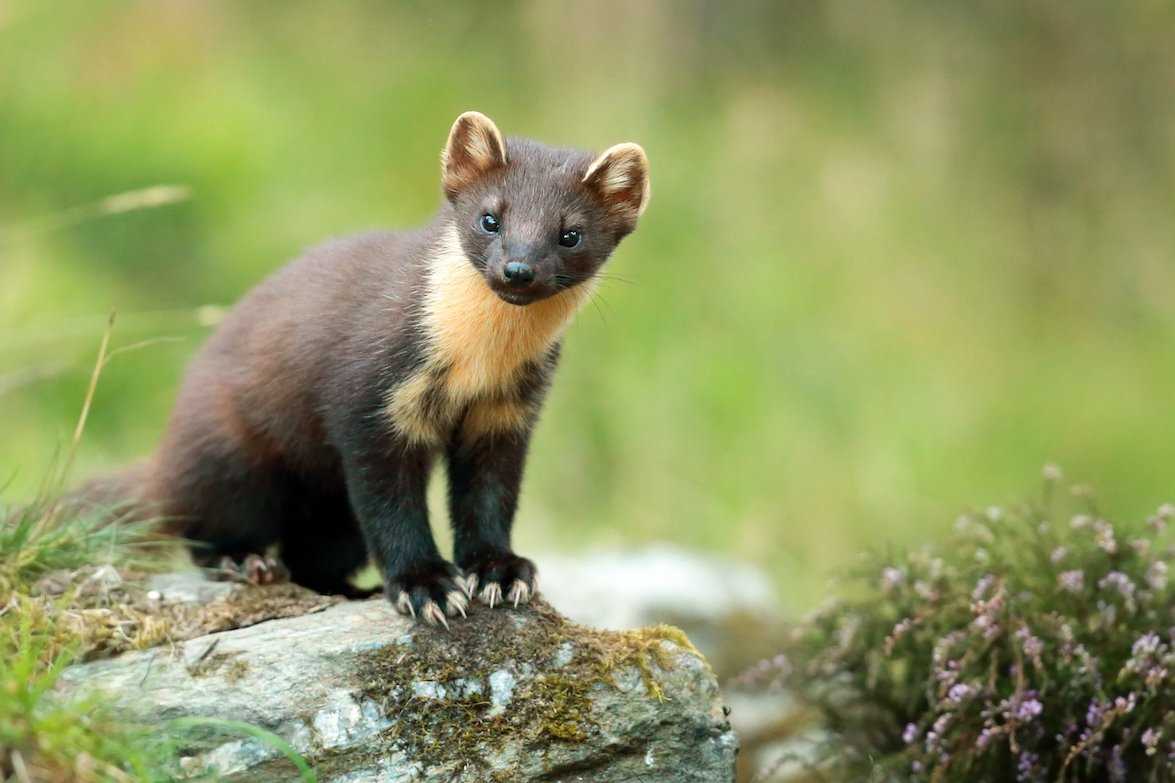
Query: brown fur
(313, 416)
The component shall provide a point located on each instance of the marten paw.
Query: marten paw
(430, 592)
(494, 573)
(253, 569)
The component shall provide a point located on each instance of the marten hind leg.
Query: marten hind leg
(322, 546)
(228, 508)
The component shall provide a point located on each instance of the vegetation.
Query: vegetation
(1038, 645)
(42, 738)
(67, 592)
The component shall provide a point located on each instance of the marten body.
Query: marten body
(314, 415)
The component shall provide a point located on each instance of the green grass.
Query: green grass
(44, 736)
(897, 256)
(47, 738)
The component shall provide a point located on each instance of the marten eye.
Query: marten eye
(490, 224)
(570, 238)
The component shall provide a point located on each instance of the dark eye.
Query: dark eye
(490, 224)
(569, 238)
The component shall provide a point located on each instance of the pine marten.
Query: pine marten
(312, 417)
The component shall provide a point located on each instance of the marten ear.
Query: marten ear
(474, 147)
(620, 177)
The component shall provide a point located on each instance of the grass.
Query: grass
(44, 737)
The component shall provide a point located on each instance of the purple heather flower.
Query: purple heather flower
(891, 579)
(1125, 704)
(1146, 645)
(1027, 768)
(1119, 581)
(944, 645)
(925, 591)
(960, 692)
(1058, 554)
(1033, 646)
(1156, 575)
(910, 734)
(1071, 581)
(1150, 741)
(1095, 714)
(948, 674)
(982, 586)
(1029, 709)
(1107, 612)
(1117, 765)
(1103, 536)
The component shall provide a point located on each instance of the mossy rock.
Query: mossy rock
(363, 694)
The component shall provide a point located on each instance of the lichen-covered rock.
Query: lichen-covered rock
(365, 695)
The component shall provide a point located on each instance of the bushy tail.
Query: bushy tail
(122, 494)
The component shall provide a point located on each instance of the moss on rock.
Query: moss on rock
(438, 684)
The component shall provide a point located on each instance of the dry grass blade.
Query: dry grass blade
(115, 204)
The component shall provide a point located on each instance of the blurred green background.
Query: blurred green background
(899, 255)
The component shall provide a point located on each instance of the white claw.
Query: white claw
(519, 592)
(455, 602)
(491, 594)
(404, 605)
(433, 615)
(469, 584)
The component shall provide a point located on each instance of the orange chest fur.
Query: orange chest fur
(475, 347)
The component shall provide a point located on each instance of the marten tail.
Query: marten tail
(121, 494)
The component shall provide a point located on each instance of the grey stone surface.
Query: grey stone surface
(660, 583)
(365, 695)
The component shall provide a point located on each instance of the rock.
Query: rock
(729, 609)
(365, 695)
(632, 589)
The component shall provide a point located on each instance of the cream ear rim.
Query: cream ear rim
(477, 124)
(635, 153)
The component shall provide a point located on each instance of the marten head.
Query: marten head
(534, 220)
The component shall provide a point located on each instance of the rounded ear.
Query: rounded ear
(620, 177)
(475, 146)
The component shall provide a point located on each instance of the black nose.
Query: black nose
(519, 273)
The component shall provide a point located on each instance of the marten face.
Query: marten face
(533, 220)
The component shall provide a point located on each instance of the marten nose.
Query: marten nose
(519, 273)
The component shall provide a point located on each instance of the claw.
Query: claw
(229, 567)
(469, 584)
(404, 605)
(491, 594)
(433, 615)
(455, 602)
(256, 570)
(519, 592)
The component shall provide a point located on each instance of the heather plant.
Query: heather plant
(1038, 644)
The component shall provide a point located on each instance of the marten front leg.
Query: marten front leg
(484, 477)
(386, 483)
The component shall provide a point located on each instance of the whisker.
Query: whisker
(595, 300)
(617, 278)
